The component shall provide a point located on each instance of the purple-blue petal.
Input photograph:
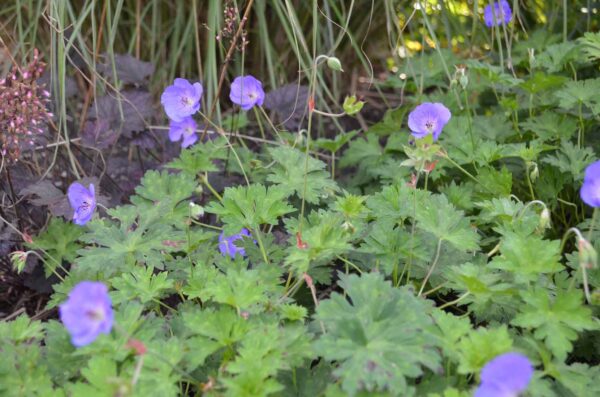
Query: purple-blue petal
(491, 390)
(83, 202)
(182, 99)
(189, 140)
(509, 374)
(590, 190)
(592, 171)
(87, 313)
(428, 118)
(179, 129)
(500, 15)
(247, 91)
(227, 245)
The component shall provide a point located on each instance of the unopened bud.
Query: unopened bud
(352, 105)
(334, 64)
(588, 258)
(196, 211)
(464, 81)
(545, 220)
(18, 260)
(535, 172)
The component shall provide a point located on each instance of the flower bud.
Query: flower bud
(18, 260)
(352, 105)
(588, 258)
(545, 220)
(334, 64)
(196, 211)
(464, 81)
(535, 172)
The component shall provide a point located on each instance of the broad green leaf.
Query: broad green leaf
(294, 174)
(528, 256)
(555, 319)
(59, 241)
(251, 207)
(324, 237)
(200, 157)
(571, 160)
(141, 284)
(440, 218)
(480, 346)
(379, 336)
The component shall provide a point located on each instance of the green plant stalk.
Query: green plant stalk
(260, 126)
(261, 246)
(347, 262)
(432, 267)
(266, 116)
(528, 179)
(592, 224)
(467, 173)
(470, 121)
(455, 301)
(580, 136)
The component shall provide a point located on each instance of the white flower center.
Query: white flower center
(95, 315)
(430, 124)
(186, 101)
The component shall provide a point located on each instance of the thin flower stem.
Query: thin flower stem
(467, 173)
(529, 182)
(592, 224)
(207, 225)
(408, 265)
(334, 115)
(431, 291)
(571, 205)
(291, 291)
(455, 301)
(261, 246)
(137, 371)
(204, 179)
(260, 126)
(347, 262)
(222, 133)
(266, 116)
(529, 204)
(61, 278)
(470, 121)
(432, 267)
(494, 250)
(573, 230)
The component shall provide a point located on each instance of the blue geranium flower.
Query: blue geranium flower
(428, 118)
(182, 99)
(83, 202)
(590, 190)
(247, 91)
(500, 15)
(87, 313)
(227, 246)
(507, 375)
(185, 129)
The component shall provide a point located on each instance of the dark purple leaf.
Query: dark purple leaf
(48, 195)
(290, 103)
(98, 134)
(129, 69)
(136, 106)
